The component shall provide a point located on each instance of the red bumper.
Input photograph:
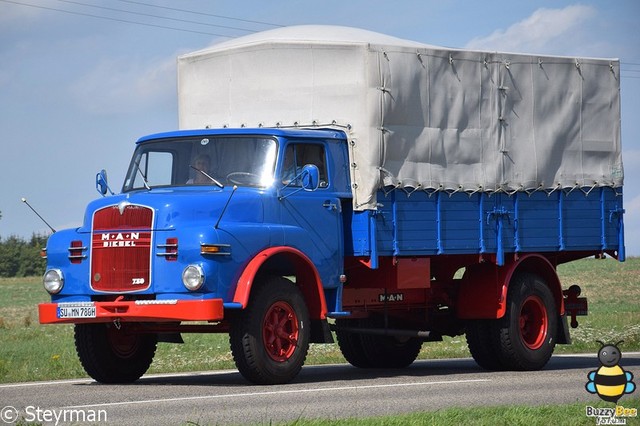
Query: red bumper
(132, 311)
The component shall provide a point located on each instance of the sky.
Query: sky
(81, 80)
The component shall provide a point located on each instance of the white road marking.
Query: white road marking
(278, 392)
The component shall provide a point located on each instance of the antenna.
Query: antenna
(24, 200)
(224, 209)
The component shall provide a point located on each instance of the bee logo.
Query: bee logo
(610, 381)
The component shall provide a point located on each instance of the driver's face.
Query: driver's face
(202, 164)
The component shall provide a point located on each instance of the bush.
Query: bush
(21, 258)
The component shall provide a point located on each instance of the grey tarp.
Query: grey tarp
(418, 117)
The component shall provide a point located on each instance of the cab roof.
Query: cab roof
(320, 133)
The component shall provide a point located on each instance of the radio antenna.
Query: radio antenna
(24, 200)
(224, 209)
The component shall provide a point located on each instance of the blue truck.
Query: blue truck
(328, 182)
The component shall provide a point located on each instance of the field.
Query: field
(31, 351)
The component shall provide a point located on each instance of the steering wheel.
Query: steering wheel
(243, 178)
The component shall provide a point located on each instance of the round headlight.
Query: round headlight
(193, 277)
(53, 281)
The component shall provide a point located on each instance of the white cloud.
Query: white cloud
(550, 31)
(122, 85)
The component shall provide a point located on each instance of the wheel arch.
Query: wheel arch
(541, 266)
(482, 293)
(284, 261)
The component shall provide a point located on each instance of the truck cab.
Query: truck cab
(205, 220)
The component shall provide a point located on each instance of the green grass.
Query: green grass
(570, 415)
(613, 290)
(30, 351)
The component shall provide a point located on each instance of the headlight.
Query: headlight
(193, 277)
(53, 281)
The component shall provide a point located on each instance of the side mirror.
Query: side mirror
(102, 185)
(310, 177)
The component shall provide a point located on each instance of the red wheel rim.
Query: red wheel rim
(534, 322)
(280, 331)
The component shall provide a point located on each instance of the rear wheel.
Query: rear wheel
(376, 351)
(527, 332)
(113, 355)
(351, 344)
(524, 339)
(482, 344)
(270, 338)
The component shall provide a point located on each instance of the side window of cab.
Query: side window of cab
(296, 156)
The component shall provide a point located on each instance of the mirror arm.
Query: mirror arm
(102, 185)
(294, 179)
(282, 197)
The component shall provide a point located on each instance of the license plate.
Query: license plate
(578, 306)
(86, 311)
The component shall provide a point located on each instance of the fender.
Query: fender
(483, 291)
(307, 276)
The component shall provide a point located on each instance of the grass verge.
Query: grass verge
(560, 415)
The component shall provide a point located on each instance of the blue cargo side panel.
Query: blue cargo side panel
(460, 223)
(538, 225)
(580, 214)
(410, 224)
(582, 211)
(420, 224)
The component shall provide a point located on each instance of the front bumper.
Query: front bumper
(131, 311)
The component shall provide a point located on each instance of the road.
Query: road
(333, 391)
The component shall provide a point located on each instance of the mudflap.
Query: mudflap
(320, 332)
(563, 337)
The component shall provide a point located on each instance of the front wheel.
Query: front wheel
(112, 355)
(270, 338)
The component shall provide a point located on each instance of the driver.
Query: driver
(202, 163)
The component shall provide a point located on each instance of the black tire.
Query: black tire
(389, 351)
(524, 339)
(527, 332)
(376, 351)
(270, 338)
(351, 344)
(482, 344)
(111, 355)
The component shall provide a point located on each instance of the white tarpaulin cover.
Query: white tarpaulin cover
(419, 117)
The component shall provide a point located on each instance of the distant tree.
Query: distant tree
(9, 256)
(20, 258)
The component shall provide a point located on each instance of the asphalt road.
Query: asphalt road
(332, 392)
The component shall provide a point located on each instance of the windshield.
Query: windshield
(212, 160)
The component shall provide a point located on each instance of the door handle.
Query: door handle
(329, 205)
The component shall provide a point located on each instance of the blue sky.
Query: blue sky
(77, 90)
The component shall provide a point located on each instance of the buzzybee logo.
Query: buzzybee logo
(610, 381)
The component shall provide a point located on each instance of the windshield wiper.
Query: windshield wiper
(211, 178)
(144, 179)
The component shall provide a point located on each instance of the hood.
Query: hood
(178, 207)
